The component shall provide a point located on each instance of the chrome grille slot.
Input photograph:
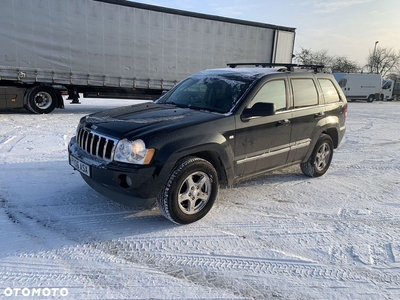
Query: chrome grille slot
(96, 144)
(88, 140)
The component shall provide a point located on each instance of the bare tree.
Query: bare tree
(393, 76)
(309, 57)
(336, 64)
(341, 64)
(384, 61)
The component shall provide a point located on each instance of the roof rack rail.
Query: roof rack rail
(289, 67)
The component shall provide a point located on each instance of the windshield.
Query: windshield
(387, 84)
(206, 92)
(343, 82)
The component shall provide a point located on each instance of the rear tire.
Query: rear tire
(320, 159)
(41, 100)
(190, 191)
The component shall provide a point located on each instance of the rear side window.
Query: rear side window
(304, 93)
(328, 89)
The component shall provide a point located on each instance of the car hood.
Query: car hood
(123, 122)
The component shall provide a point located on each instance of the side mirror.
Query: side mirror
(260, 109)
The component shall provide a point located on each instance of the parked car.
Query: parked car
(217, 127)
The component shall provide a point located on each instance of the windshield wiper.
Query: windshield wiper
(176, 104)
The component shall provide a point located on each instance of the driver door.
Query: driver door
(263, 143)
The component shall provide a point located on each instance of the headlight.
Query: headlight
(133, 152)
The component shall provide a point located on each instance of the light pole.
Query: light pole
(373, 58)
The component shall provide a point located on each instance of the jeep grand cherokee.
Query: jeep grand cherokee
(214, 128)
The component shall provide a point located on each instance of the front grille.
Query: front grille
(96, 144)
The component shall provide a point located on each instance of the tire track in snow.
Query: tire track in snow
(8, 143)
(208, 271)
(83, 269)
(386, 166)
(143, 252)
(156, 248)
(189, 258)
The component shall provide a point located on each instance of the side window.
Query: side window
(272, 92)
(343, 82)
(386, 85)
(328, 89)
(304, 92)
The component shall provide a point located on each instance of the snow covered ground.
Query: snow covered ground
(280, 236)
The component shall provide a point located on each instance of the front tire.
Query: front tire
(190, 191)
(41, 100)
(371, 98)
(320, 159)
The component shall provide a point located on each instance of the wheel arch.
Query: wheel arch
(214, 153)
(214, 158)
(333, 133)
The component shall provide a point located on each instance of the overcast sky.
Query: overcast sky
(344, 27)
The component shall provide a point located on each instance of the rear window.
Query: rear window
(328, 89)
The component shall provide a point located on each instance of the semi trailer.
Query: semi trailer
(118, 48)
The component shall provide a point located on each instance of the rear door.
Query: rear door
(308, 114)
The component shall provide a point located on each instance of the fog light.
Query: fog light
(124, 181)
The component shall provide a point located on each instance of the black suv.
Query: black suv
(216, 127)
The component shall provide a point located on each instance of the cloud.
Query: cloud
(327, 7)
(236, 9)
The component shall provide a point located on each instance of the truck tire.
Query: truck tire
(320, 159)
(41, 100)
(190, 191)
(371, 98)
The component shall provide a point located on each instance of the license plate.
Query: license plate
(80, 166)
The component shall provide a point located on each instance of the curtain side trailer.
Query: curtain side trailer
(118, 48)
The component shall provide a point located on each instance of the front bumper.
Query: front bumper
(131, 185)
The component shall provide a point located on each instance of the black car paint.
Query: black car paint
(223, 139)
(168, 134)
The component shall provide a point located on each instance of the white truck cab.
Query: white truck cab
(387, 89)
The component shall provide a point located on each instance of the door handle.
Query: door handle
(283, 123)
(319, 115)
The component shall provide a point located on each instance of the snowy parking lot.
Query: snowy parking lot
(279, 236)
